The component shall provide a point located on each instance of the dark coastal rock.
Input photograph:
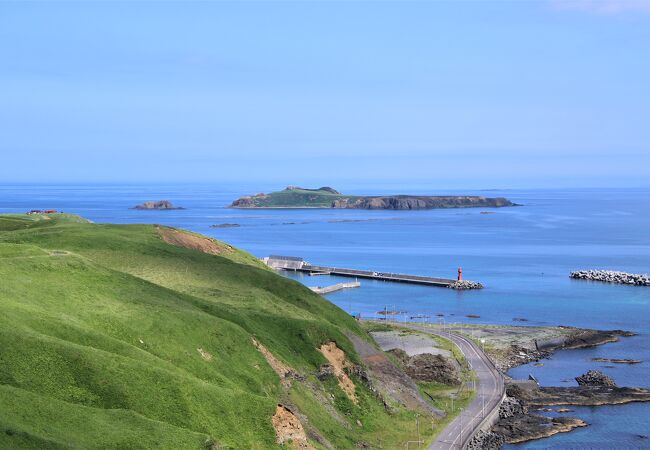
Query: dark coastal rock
(595, 378)
(526, 427)
(486, 440)
(158, 205)
(617, 360)
(225, 225)
(407, 202)
(509, 407)
(243, 202)
(428, 367)
(611, 276)
(582, 338)
(584, 395)
(517, 424)
(465, 285)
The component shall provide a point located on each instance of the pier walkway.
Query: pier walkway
(299, 265)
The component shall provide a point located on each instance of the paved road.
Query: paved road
(489, 393)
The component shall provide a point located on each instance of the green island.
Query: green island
(144, 336)
(327, 197)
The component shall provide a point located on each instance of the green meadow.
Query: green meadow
(113, 338)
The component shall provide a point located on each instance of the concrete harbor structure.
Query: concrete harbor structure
(298, 264)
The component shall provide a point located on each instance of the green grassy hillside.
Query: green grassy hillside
(292, 197)
(139, 336)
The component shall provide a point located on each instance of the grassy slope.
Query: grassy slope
(299, 198)
(100, 328)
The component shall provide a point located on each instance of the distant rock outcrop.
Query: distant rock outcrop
(157, 205)
(419, 202)
(225, 225)
(612, 276)
(595, 378)
(327, 197)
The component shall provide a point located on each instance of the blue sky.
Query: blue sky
(453, 94)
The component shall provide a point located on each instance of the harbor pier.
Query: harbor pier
(298, 264)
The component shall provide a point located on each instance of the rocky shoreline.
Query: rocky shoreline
(611, 276)
(575, 338)
(518, 423)
(518, 418)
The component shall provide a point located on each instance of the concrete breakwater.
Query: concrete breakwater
(611, 276)
(465, 284)
(297, 264)
(335, 287)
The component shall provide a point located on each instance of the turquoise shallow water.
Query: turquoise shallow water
(523, 255)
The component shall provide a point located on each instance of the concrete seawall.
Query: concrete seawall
(335, 287)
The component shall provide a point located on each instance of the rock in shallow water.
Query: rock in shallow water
(595, 378)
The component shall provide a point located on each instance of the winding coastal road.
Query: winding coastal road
(489, 394)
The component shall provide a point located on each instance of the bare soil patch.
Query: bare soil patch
(185, 239)
(336, 357)
(205, 355)
(284, 372)
(289, 429)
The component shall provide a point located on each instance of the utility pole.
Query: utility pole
(417, 422)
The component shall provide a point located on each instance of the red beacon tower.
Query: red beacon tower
(460, 274)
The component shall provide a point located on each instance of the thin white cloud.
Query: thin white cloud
(607, 7)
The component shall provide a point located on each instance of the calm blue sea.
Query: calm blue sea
(523, 255)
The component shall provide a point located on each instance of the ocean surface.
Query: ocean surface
(523, 255)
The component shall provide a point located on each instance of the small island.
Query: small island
(159, 205)
(327, 197)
